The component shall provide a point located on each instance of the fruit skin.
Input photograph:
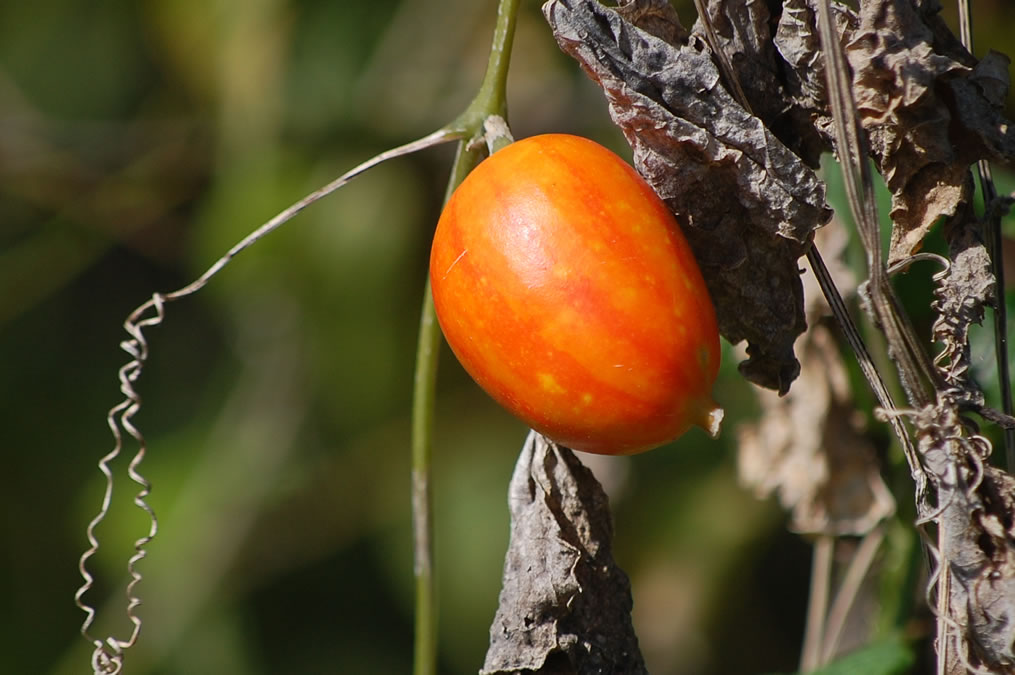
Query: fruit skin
(565, 288)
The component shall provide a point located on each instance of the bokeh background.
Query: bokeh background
(139, 141)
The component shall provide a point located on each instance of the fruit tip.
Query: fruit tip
(712, 419)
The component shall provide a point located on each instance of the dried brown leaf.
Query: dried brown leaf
(565, 605)
(974, 580)
(809, 447)
(975, 546)
(654, 16)
(746, 203)
(962, 292)
(773, 87)
(803, 70)
(930, 111)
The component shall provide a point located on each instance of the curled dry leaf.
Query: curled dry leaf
(654, 16)
(929, 108)
(781, 75)
(799, 45)
(962, 291)
(809, 447)
(565, 606)
(975, 544)
(974, 514)
(747, 204)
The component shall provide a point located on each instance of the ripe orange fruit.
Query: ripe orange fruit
(567, 291)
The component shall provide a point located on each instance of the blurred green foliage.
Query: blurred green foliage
(889, 657)
(138, 141)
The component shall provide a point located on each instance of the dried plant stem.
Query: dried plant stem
(817, 603)
(725, 65)
(944, 628)
(848, 591)
(825, 622)
(994, 246)
(440, 136)
(863, 356)
(823, 632)
(108, 654)
(915, 368)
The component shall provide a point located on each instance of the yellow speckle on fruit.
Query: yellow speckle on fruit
(586, 398)
(627, 297)
(550, 384)
(561, 271)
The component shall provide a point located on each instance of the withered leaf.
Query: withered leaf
(654, 16)
(809, 447)
(975, 544)
(565, 606)
(744, 31)
(975, 511)
(746, 203)
(961, 293)
(930, 111)
(799, 45)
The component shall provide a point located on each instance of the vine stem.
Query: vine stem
(424, 395)
(109, 654)
(849, 589)
(490, 102)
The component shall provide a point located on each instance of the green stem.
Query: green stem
(489, 101)
(495, 81)
(424, 394)
(423, 407)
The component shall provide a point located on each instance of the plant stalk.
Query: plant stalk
(490, 100)
(994, 246)
(423, 409)
(848, 591)
(817, 604)
(423, 400)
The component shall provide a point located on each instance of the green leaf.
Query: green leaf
(889, 657)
